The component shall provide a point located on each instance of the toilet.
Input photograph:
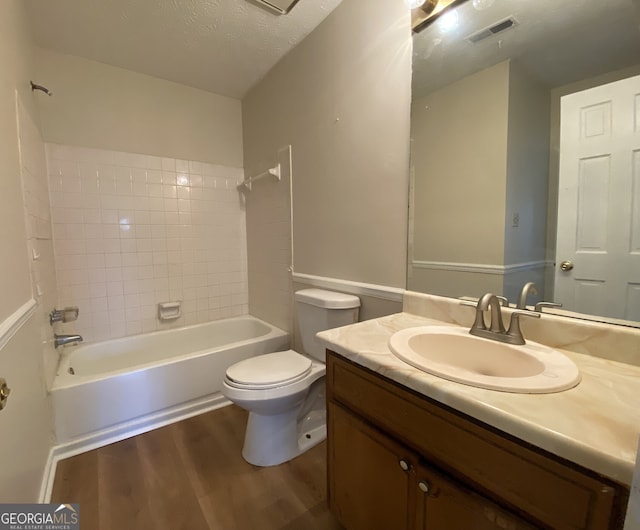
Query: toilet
(284, 391)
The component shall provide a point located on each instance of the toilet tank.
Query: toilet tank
(319, 310)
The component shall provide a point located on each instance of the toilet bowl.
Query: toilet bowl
(284, 391)
(279, 427)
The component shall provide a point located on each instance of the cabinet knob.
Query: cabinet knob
(424, 486)
(404, 465)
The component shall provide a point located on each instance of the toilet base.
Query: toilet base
(313, 430)
(273, 440)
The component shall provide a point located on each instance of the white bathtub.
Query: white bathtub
(113, 389)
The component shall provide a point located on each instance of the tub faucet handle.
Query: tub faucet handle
(68, 314)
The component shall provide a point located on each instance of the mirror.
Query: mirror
(498, 87)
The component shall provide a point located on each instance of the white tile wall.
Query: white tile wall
(132, 230)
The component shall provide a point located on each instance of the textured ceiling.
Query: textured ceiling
(557, 41)
(222, 46)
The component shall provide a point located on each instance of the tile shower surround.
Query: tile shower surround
(133, 230)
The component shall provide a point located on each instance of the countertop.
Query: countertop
(595, 424)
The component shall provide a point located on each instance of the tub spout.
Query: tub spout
(63, 340)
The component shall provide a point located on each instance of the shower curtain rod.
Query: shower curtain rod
(272, 171)
(40, 87)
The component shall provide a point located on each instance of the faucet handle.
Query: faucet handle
(514, 331)
(540, 305)
(504, 301)
(68, 314)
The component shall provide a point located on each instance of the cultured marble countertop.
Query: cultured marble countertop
(595, 424)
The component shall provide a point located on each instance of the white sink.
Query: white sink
(452, 353)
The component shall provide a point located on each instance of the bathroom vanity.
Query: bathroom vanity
(399, 460)
(407, 449)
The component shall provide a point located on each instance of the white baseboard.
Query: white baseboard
(122, 431)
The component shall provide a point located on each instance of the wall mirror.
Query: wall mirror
(525, 154)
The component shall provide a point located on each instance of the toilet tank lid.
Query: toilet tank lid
(327, 299)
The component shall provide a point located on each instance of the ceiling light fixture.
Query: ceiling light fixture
(281, 7)
(448, 21)
(424, 15)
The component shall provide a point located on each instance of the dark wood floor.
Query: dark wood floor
(191, 475)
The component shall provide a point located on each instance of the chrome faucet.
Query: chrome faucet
(496, 330)
(528, 288)
(63, 340)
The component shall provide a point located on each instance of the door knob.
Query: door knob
(566, 266)
(4, 393)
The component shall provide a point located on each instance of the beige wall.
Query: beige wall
(15, 65)
(341, 99)
(97, 105)
(527, 167)
(527, 181)
(458, 150)
(26, 434)
(480, 155)
(268, 213)
(454, 283)
(458, 200)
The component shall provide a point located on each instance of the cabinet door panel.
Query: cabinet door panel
(368, 488)
(450, 505)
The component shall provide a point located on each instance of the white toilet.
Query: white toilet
(284, 391)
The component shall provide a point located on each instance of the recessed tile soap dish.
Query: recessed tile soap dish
(169, 310)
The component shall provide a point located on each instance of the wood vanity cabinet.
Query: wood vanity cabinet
(399, 460)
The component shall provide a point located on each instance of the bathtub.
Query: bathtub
(117, 388)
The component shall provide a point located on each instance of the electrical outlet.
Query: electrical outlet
(515, 220)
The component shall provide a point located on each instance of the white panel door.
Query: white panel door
(599, 201)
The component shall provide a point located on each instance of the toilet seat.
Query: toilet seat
(271, 370)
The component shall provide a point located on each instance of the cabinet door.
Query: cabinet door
(445, 504)
(370, 476)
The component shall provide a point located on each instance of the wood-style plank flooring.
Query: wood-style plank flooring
(191, 475)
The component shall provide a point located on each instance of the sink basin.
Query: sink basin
(452, 353)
